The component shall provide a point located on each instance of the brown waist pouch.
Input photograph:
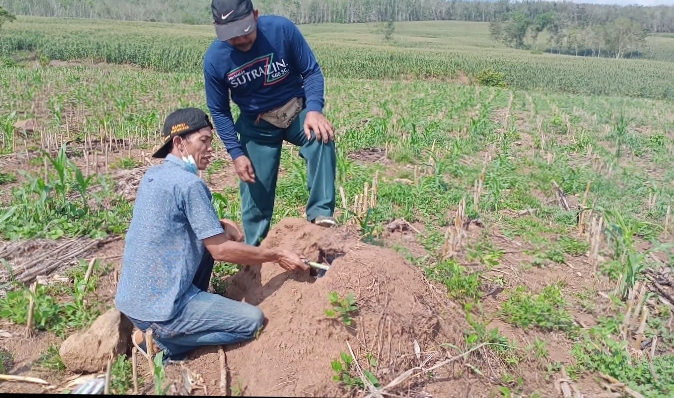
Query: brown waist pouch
(283, 116)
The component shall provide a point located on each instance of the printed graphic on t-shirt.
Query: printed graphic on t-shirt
(261, 67)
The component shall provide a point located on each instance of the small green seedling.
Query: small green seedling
(159, 375)
(343, 374)
(344, 307)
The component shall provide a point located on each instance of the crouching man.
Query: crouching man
(173, 240)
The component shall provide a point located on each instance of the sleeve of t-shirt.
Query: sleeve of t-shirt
(305, 61)
(200, 211)
(217, 100)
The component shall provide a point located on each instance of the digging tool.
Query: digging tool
(316, 265)
(322, 269)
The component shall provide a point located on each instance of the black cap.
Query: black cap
(232, 18)
(181, 122)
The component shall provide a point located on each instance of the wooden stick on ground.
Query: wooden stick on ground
(30, 332)
(420, 370)
(615, 384)
(565, 384)
(224, 388)
(23, 378)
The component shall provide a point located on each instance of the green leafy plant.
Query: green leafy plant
(342, 307)
(546, 310)
(122, 376)
(344, 372)
(491, 78)
(51, 314)
(159, 374)
(42, 207)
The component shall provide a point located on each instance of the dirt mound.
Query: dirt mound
(293, 355)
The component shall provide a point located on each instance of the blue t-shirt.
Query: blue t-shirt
(173, 213)
(278, 67)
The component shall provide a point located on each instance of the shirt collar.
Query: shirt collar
(177, 161)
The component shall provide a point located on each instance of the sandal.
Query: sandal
(138, 340)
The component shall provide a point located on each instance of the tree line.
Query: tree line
(658, 19)
(619, 38)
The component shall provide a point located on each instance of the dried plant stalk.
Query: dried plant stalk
(90, 269)
(149, 344)
(581, 218)
(223, 371)
(30, 331)
(373, 191)
(595, 241)
(479, 183)
(108, 375)
(561, 196)
(345, 204)
(362, 202)
(455, 233)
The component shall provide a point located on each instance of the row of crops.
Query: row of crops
(180, 50)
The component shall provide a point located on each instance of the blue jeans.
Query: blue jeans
(207, 319)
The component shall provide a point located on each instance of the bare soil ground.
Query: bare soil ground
(395, 309)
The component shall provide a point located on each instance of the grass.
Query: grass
(493, 155)
(59, 309)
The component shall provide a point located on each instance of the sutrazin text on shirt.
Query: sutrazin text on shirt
(264, 66)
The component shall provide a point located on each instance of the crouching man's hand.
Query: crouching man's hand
(291, 261)
(232, 231)
(228, 247)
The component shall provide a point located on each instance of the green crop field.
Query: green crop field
(565, 178)
(440, 50)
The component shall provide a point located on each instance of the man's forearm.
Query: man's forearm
(224, 126)
(243, 254)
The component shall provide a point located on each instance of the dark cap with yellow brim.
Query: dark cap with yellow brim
(181, 122)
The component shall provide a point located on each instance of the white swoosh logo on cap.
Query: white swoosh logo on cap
(248, 28)
(224, 16)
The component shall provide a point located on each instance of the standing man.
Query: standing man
(274, 79)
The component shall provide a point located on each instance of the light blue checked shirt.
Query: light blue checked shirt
(173, 213)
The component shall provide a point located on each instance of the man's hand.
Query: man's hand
(244, 169)
(315, 121)
(291, 261)
(232, 231)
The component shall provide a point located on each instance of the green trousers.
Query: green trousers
(262, 142)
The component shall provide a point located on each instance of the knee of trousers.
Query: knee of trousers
(253, 320)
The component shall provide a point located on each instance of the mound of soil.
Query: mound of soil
(293, 355)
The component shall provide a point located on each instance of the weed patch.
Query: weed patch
(546, 310)
(63, 204)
